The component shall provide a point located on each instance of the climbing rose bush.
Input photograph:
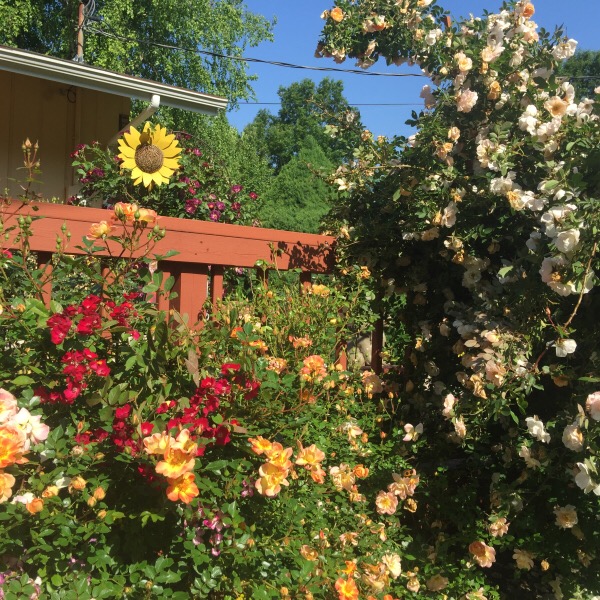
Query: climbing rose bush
(485, 222)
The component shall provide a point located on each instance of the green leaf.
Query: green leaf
(22, 380)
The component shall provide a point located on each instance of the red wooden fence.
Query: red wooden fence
(203, 248)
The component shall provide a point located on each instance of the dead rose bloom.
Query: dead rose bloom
(436, 583)
(523, 559)
(459, 428)
(413, 585)
(477, 595)
(566, 516)
(309, 553)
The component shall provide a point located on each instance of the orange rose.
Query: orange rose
(484, 555)
(77, 483)
(50, 491)
(6, 484)
(12, 446)
(528, 10)
(35, 506)
(99, 230)
(146, 215)
(125, 211)
(346, 589)
(361, 471)
(183, 488)
(337, 14)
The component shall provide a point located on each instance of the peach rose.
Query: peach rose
(484, 555)
(337, 14)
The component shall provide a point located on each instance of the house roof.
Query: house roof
(103, 80)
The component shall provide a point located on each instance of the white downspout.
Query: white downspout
(143, 116)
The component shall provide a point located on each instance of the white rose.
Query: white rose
(584, 480)
(466, 100)
(564, 50)
(572, 438)
(565, 347)
(566, 241)
(536, 429)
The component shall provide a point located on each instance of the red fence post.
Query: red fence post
(216, 284)
(190, 286)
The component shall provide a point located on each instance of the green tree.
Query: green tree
(234, 153)
(131, 28)
(298, 198)
(307, 109)
(583, 69)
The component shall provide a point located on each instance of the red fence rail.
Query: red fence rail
(204, 250)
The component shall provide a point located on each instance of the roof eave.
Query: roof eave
(102, 80)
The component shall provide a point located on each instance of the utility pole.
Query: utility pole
(80, 20)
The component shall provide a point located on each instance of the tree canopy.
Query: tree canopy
(584, 71)
(307, 109)
(124, 34)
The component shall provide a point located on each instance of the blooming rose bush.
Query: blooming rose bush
(142, 458)
(485, 222)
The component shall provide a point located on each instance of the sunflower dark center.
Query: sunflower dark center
(149, 158)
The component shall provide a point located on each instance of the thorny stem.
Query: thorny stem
(587, 271)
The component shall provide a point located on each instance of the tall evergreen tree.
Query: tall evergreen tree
(298, 199)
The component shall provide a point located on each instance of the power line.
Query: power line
(351, 104)
(274, 63)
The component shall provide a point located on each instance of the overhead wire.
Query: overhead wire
(246, 59)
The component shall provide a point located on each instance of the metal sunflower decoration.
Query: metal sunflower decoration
(151, 156)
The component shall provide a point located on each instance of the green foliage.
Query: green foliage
(583, 70)
(306, 111)
(298, 198)
(225, 28)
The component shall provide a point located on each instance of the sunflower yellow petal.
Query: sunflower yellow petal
(127, 152)
(128, 163)
(136, 172)
(171, 163)
(158, 136)
(147, 178)
(171, 152)
(167, 140)
(132, 137)
(165, 172)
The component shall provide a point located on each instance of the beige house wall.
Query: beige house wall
(59, 118)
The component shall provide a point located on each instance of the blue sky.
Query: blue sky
(297, 33)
